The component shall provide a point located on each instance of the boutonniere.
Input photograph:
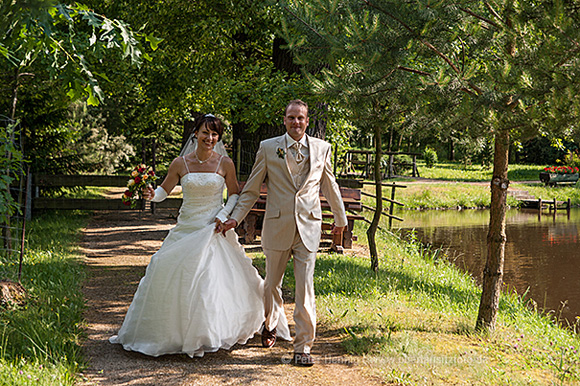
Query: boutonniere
(281, 152)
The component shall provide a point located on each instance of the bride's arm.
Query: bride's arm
(229, 171)
(171, 179)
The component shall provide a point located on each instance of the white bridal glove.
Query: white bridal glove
(228, 207)
(160, 195)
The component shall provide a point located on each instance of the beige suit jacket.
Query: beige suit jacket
(288, 208)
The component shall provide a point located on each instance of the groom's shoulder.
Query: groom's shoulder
(272, 141)
(318, 142)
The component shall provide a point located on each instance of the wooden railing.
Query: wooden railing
(391, 201)
(353, 167)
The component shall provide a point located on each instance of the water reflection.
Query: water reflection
(542, 252)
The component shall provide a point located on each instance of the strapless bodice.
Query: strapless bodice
(202, 199)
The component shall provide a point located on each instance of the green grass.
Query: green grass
(559, 192)
(439, 195)
(458, 172)
(40, 342)
(76, 192)
(467, 195)
(468, 187)
(412, 323)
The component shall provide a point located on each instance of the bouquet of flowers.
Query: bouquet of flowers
(141, 177)
(561, 169)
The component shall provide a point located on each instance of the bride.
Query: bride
(200, 291)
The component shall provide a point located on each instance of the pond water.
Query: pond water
(542, 250)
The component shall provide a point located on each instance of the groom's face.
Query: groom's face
(296, 121)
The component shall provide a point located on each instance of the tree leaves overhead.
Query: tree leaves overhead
(216, 56)
(66, 40)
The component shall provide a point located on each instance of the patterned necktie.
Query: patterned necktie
(299, 156)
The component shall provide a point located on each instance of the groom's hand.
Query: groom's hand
(229, 224)
(337, 230)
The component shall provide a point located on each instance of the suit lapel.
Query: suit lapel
(313, 155)
(281, 144)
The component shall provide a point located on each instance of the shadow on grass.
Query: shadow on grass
(344, 275)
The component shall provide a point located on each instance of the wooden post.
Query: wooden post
(28, 200)
(26, 194)
(391, 209)
(555, 206)
(335, 159)
(568, 207)
(153, 167)
(238, 156)
(143, 158)
(391, 160)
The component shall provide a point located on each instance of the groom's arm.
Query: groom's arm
(251, 191)
(331, 191)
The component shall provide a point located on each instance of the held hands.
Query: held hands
(223, 227)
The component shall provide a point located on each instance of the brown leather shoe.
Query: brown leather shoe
(268, 337)
(304, 360)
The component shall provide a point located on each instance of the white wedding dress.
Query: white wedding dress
(200, 291)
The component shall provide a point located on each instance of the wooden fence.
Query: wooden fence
(41, 182)
(352, 166)
(391, 201)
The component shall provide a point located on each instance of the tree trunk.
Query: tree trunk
(496, 238)
(372, 231)
(318, 118)
(250, 140)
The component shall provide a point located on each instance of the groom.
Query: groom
(295, 167)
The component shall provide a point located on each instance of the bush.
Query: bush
(430, 157)
(572, 159)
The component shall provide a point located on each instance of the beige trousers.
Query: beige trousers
(305, 309)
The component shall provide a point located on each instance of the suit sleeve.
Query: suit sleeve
(331, 191)
(251, 191)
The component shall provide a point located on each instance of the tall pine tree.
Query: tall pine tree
(506, 69)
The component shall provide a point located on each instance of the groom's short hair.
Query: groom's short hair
(298, 102)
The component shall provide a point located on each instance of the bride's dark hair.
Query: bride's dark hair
(211, 122)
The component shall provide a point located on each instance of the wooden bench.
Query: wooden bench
(251, 226)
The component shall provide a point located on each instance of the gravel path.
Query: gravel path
(117, 247)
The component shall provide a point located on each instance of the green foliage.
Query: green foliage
(96, 149)
(430, 157)
(40, 342)
(66, 39)
(572, 158)
(338, 132)
(541, 150)
(11, 167)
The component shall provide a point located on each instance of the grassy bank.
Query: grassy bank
(40, 342)
(468, 187)
(453, 171)
(412, 323)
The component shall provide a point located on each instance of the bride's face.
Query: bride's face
(206, 138)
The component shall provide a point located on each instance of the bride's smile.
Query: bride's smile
(206, 138)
